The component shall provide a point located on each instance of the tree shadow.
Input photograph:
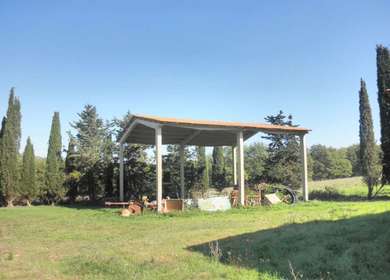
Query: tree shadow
(356, 248)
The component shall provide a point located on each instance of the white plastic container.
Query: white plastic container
(219, 203)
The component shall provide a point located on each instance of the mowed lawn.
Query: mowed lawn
(315, 240)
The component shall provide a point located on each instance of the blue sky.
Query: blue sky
(228, 60)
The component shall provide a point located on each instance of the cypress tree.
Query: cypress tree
(72, 175)
(28, 187)
(10, 144)
(368, 156)
(1, 141)
(383, 82)
(217, 169)
(203, 168)
(54, 178)
(171, 170)
(71, 156)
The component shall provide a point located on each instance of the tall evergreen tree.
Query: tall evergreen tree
(139, 176)
(203, 168)
(54, 177)
(91, 136)
(10, 144)
(218, 168)
(28, 186)
(368, 156)
(108, 165)
(383, 82)
(72, 155)
(1, 145)
(72, 175)
(282, 165)
(40, 170)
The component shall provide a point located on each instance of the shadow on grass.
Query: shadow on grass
(356, 248)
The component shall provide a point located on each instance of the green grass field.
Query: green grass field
(315, 240)
(348, 189)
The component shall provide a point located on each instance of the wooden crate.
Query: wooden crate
(173, 205)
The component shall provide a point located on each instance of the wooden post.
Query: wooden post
(159, 171)
(182, 161)
(121, 173)
(241, 172)
(304, 167)
(234, 156)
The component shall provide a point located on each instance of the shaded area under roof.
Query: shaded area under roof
(197, 132)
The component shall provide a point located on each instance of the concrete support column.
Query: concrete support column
(182, 162)
(159, 171)
(304, 167)
(121, 172)
(234, 157)
(241, 172)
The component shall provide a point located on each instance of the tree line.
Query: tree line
(375, 166)
(88, 168)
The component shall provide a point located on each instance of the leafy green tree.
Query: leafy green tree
(218, 168)
(309, 165)
(90, 136)
(353, 155)
(255, 162)
(340, 166)
(321, 162)
(54, 176)
(282, 165)
(368, 156)
(9, 150)
(383, 82)
(28, 186)
(329, 163)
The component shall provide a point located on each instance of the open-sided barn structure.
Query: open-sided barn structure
(158, 131)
